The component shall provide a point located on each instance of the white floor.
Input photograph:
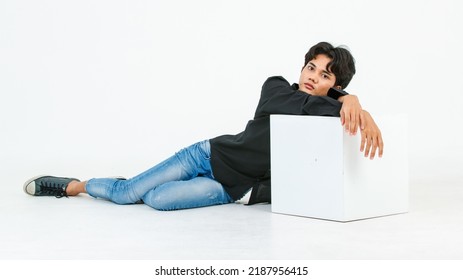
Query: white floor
(86, 228)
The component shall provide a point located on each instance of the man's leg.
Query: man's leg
(188, 163)
(197, 192)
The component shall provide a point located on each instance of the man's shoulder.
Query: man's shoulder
(274, 83)
(277, 79)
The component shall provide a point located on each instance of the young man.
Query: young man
(223, 169)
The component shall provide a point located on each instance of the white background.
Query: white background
(100, 88)
(109, 87)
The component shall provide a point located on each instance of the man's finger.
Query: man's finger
(362, 143)
(347, 121)
(353, 124)
(362, 120)
(342, 117)
(381, 147)
(374, 147)
(368, 146)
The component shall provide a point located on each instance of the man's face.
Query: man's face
(315, 78)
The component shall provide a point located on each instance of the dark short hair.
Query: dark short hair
(342, 64)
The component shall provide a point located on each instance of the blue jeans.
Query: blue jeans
(183, 181)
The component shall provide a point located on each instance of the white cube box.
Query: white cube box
(318, 170)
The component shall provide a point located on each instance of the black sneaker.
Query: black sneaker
(48, 186)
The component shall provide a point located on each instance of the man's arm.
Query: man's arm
(278, 97)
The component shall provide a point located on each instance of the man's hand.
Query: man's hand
(371, 137)
(353, 117)
(351, 113)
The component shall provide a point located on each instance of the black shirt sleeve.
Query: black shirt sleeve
(279, 97)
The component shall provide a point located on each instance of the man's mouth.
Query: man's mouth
(308, 86)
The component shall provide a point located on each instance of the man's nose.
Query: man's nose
(313, 79)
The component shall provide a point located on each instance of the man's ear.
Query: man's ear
(338, 87)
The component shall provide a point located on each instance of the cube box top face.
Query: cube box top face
(318, 170)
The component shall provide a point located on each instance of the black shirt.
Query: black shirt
(242, 161)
